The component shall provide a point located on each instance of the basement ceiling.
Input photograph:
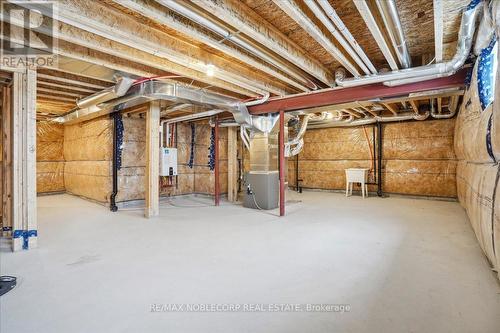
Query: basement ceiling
(144, 38)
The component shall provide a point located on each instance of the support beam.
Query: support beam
(217, 166)
(335, 96)
(24, 224)
(232, 164)
(152, 160)
(282, 162)
(6, 162)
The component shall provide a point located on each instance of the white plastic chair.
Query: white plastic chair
(356, 175)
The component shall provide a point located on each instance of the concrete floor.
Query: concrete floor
(402, 265)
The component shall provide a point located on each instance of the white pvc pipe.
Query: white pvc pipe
(390, 16)
(465, 38)
(186, 12)
(291, 8)
(332, 14)
(367, 16)
(313, 6)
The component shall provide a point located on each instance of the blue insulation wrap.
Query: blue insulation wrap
(191, 154)
(468, 78)
(25, 235)
(473, 4)
(486, 72)
(211, 156)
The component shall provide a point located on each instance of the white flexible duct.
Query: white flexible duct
(298, 141)
(361, 122)
(390, 16)
(178, 7)
(332, 14)
(313, 6)
(244, 137)
(465, 38)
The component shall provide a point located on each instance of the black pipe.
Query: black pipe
(176, 146)
(297, 173)
(374, 155)
(116, 124)
(379, 156)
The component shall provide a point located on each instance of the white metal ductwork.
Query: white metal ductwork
(121, 87)
(294, 146)
(118, 98)
(465, 39)
(350, 122)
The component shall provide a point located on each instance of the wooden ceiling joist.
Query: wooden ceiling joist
(245, 20)
(45, 84)
(116, 26)
(172, 21)
(115, 34)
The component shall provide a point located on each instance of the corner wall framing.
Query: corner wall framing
(19, 161)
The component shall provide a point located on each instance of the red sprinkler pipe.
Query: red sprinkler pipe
(282, 162)
(216, 170)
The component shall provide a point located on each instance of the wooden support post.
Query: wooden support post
(24, 225)
(216, 171)
(6, 162)
(152, 160)
(232, 164)
(282, 162)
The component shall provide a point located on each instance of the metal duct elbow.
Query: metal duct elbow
(121, 87)
(301, 132)
(464, 45)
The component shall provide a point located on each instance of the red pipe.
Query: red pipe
(216, 143)
(282, 162)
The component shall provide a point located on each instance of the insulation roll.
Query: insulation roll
(476, 191)
(472, 127)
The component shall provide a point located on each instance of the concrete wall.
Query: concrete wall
(418, 158)
(50, 157)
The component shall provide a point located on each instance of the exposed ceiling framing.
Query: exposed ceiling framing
(256, 46)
